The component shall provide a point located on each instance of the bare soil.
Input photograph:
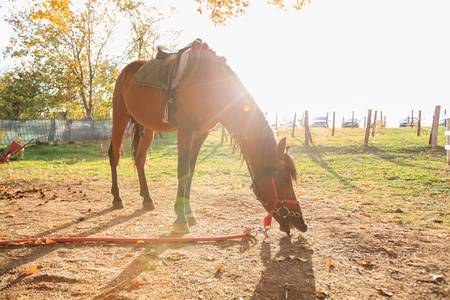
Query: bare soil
(344, 255)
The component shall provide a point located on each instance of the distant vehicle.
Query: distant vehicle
(407, 122)
(348, 123)
(319, 122)
(442, 122)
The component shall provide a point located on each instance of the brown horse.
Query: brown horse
(214, 94)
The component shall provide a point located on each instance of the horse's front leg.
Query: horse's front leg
(197, 144)
(184, 141)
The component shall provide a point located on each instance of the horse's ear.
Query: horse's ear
(281, 149)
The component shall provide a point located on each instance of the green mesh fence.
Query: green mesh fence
(52, 130)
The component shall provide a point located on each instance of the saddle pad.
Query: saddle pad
(150, 74)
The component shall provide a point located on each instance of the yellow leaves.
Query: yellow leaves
(137, 282)
(330, 263)
(153, 265)
(31, 270)
(387, 249)
(321, 293)
(220, 268)
(279, 258)
(367, 263)
(49, 241)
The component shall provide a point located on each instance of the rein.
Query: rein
(282, 211)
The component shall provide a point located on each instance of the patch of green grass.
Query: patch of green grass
(396, 178)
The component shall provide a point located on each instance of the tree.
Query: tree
(68, 43)
(220, 11)
(144, 30)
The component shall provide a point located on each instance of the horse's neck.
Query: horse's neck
(253, 134)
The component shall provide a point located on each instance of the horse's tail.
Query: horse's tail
(138, 131)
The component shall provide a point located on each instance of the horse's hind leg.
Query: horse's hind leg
(119, 125)
(140, 156)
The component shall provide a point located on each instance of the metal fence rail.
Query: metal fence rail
(52, 130)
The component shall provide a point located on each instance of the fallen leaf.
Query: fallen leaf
(361, 226)
(302, 259)
(129, 254)
(137, 282)
(321, 293)
(367, 263)
(389, 250)
(211, 258)
(292, 256)
(441, 235)
(437, 277)
(365, 214)
(153, 265)
(330, 263)
(279, 258)
(49, 241)
(30, 270)
(220, 268)
(383, 291)
(38, 242)
(140, 242)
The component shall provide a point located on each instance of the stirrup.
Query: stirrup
(166, 114)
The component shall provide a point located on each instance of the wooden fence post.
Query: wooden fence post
(307, 133)
(353, 117)
(366, 139)
(334, 117)
(293, 126)
(412, 118)
(447, 147)
(434, 128)
(419, 123)
(374, 123)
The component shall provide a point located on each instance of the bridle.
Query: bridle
(278, 206)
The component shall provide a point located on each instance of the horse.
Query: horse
(213, 95)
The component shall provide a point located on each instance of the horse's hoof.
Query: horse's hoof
(191, 219)
(180, 228)
(118, 205)
(148, 205)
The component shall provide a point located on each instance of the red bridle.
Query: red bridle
(268, 219)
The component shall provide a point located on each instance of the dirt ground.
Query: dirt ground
(344, 255)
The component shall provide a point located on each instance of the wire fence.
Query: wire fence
(52, 130)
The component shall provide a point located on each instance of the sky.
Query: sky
(341, 56)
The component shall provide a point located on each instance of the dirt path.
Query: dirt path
(344, 255)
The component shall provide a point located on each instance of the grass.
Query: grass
(395, 179)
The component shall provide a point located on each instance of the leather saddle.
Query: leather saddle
(163, 52)
(176, 70)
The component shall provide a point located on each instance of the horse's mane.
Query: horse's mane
(289, 160)
(262, 127)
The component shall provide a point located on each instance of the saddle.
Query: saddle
(170, 71)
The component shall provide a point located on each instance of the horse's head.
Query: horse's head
(276, 192)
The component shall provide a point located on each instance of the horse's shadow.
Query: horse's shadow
(288, 274)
